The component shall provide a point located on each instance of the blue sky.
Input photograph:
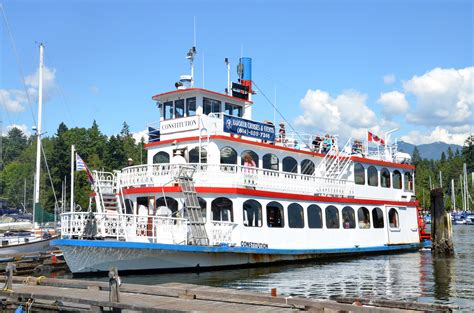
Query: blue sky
(337, 66)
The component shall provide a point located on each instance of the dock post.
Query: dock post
(9, 269)
(441, 225)
(114, 284)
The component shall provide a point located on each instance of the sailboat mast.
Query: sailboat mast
(38, 134)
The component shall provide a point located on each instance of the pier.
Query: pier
(66, 295)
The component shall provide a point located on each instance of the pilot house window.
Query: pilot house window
(168, 110)
(190, 106)
(211, 106)
(179, 108)
(233, 109)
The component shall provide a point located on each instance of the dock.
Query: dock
(70, 295)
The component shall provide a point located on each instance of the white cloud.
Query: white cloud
(139, 135)
(438, 134)
(393, 103)
(346, 114)
(15, 100)
(389, 79)
(444, 97)
(25, 129)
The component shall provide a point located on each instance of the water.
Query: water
(414, 276)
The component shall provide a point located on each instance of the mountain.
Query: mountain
(430, 150)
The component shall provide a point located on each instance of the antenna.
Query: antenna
(227, 63)
(194, 42)
(203, 71)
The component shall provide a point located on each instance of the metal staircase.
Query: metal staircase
(193, 209)
(335, 162)
(105, 186)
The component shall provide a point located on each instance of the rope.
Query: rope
(40, 279)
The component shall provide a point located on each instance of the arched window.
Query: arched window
(397, 179)
(372, 176)
(307, 167)
(252, 213)
(161, 157)
(359, 174)
(203, 205)
(290, 165)
(275, 217)
(315, 218)
(252, 154)
(348, 217)
(363, 216)
(385, 178)
(222, 210)
(270, 162)
(377, 218)
(393, 218)
(295, 216)
(194, 155)
(228, 156)
(332, 217)
(128, 206)
(408, 181)
(169, 203)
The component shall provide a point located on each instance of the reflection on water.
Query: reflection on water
(410, 276)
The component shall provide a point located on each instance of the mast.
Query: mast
(38, 134)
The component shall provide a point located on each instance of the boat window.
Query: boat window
(307, 167)
(128, 206)
(222, 210)
(385, 178)
(270, 162)
(168, 110)
(359, 174)
(233, 109)
(408, 181)
(393, 218)
(295, 216)
(194, 155)
(252, 213)
(203, 205)
(275, 217)
(332, 217)
(167, 202)
(364, 218)
(161, 157)
(252, 154)
(290, 165)
(372, 176)
(211, 106)
(348, 218)
(397, 180)
(315, 218)
(377, 218)
(228, 156)
(179, 108)
(191, 106)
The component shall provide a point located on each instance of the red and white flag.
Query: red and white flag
(81, 166)
(371, 137)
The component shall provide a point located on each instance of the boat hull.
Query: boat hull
(86, 256)
(26, 247)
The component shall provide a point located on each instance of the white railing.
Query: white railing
(219, 175)
(127, 227)
(220, 232)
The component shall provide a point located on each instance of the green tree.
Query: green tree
(468, 153)
(13, 145)
(416, 158)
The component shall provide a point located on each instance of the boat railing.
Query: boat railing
(237, 176)
(128, 227)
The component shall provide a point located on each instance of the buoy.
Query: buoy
(54, 260)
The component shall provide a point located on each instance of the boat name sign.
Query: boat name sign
(179, 125)
(258, 245)
(243, 127)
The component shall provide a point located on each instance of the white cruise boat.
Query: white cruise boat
(220, 189)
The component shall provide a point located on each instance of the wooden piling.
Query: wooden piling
(441, 225)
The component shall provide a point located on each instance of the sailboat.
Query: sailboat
(32, 239)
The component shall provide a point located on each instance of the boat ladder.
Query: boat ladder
(193, 209)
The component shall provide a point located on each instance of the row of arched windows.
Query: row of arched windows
(385, 180)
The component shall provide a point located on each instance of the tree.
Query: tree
(416, 158)
(14, 145)
(468, 153)
(59, 161)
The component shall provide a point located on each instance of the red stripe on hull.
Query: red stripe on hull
(267, 194)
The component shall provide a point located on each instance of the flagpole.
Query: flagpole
(73, 154)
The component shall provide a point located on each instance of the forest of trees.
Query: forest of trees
(111, 153)
(96, 149)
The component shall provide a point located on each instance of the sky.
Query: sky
(341, 66)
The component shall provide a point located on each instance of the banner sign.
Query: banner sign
(240, 126)
(179, 125)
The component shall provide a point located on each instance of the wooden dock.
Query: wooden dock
(67, 295)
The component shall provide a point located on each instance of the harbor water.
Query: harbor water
(416, 276)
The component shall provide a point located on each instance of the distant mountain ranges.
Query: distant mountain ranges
(430, 150)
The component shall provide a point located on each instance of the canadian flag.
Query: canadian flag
(371, 137)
